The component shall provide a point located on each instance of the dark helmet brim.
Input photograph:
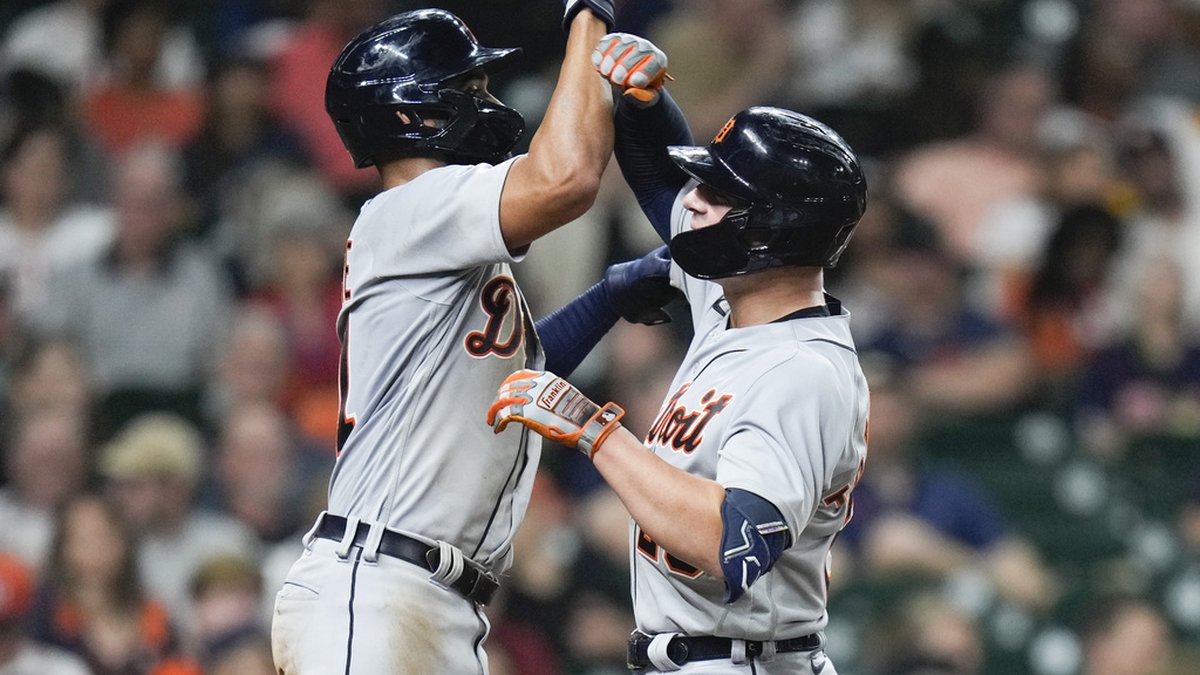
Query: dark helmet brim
(491, 59)
(699, 163)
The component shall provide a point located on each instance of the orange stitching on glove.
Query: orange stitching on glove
(621, 58)
(636, 67)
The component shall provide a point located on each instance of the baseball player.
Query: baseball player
(739, 487)
(422, 507)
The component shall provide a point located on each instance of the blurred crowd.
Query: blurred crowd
(1024, 286)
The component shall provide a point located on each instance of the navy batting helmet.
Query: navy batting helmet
(400, 66)
(799, 193)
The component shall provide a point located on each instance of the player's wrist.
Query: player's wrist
(598, 428)
(599, 13)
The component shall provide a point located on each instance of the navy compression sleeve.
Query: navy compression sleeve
(570, 333)
(642, 137)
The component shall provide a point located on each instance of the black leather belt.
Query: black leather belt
(474, 583)
(683, 648)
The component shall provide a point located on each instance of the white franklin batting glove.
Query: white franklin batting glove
(634, 64)
(553, 408)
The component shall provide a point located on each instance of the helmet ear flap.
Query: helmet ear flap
(401, 65)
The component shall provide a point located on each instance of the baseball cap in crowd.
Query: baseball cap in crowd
(154, 445)
(16, 587)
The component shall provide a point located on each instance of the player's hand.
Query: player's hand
(639, 289)
(632, 64)
(552, 407)
(603, 9)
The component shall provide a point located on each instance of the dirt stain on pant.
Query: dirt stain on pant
(419, 634)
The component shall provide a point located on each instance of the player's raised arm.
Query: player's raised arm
(557, 180)
(647, 122)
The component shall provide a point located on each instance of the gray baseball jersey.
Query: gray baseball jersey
(431, 325)
(779, 410)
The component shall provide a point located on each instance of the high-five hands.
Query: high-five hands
(634, 65)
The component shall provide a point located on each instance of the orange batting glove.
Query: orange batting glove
(634, 65)
(553, 408)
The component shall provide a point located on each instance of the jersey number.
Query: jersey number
(649, 548)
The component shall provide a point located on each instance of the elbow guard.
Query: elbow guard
(753, 536)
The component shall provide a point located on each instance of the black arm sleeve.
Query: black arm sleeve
(642, 137)
(568, 334)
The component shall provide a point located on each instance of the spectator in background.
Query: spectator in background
(240, 135)
(46, 461)
(149, 313)
(49, 377)
(954, 183)
(30, 100)
(226, 602)
(538, 588)
(1126, 636)
(41, 230)
(297, 274)
(1148, 381)
(959, 360)
(246, 652)
(60, 39)
(63, 39)
(153, 468)
(1165, 221)
(911, 519)
(252, 365)
(929, 636)
(18, 653)
(299, 98)
(1079, 159)
(1128, 49)
(727, 54)
(852, 54)
(265, 477)
(1064, 310)
(92, 601)
(1103, 65)
(133, 105)
(601, 612)
(863, 275)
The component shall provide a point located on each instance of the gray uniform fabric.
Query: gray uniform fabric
(431, 325)
(779, 410)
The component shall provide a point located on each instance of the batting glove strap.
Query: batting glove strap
(603, 9)
(553, 408)
(599, 428)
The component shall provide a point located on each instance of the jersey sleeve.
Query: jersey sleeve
(775, 448)
(446, 219)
